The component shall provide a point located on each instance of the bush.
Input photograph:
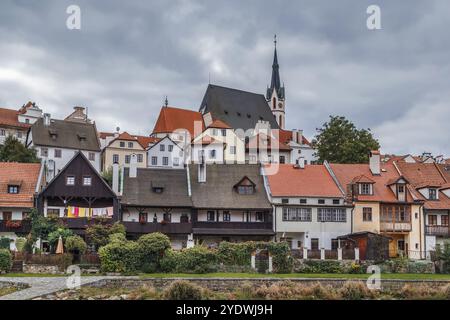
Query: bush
(119, 257)
(20, 244)
(4, 243)
(288, 290)
(320, 266)
(418, 292)
(352, 290)
(53, 237)
(5, 260)
(197, 259)
(117, 237)
(183, 290)
(98, 234)
(76, 243)
(153, 246)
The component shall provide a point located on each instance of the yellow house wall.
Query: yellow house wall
(417, 234)
(359, 224)
(115, 148)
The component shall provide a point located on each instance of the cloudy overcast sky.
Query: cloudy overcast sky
(127, 57)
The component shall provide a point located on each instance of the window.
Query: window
(321, 201)
(70, 180)
(115, 158)
(7, 216)
(58, 153)
(432, 220)
(143, 216)
(303, 201)
(154, 161)
(334, 244)
(158, 189)
(162, 147)
(27, 121)
(296, 214)
(245, 189)
(170, 147)
(44, 152)
(444, 221)
(127, 158)
(130, 145)
(259, 216)
(13, 189)
(282, 159)
(336, 201)
(87, 180)
(212, 154)
(226, 216)
(365, 188)
(285, 201)
(19, 134)
(25, 215)
(91, 156)
(233, 150)
(214, 132)
(122, 144)
(224, 132)
(367, 214)
(331, 215)
(165, 161)
(53, 213)
(210, 216)
(401, 188)
(176, 162)
(167, 217)
(2, 132)
(140, 158)
(314, 244)
(432, 194)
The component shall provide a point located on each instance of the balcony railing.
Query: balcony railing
(232, 225)
(18, 226)
(389, 226)
(83, 223)
(167, 228)
(437, 231)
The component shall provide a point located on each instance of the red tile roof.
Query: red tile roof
(255, 141)
(219, 124)
(10, 118)
(104, 135)
(171, 119)
(205, 140)
(145, 141)
(286, 137)
(312, 181)
(24, 174)
(347, 173)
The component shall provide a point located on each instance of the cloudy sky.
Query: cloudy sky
(127, 58)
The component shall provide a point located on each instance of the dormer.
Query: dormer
(245, 186)
(445, 189)
(364, 185)
(429, 191)
(398, 187)
(14, 187)
(157, 187)
(81, 136)
(53, 133)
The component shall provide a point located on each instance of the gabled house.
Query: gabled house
(20, 183)
(383, 204)
(78, 195)
(157, 200)
(57, 141)
(229, 203)
(310, 211)
(166, 154)
(429, 184)
(17, 122)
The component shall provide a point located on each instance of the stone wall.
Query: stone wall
(40, 268)
(230, 284)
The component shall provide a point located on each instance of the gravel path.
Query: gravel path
(40, 286)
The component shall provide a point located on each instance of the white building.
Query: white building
(166, 154)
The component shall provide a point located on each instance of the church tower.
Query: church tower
(275, 94)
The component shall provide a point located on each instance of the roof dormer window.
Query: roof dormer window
(13, 189)
(432, 194)
(365, 189)
(245, 186)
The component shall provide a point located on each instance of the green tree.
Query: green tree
(14, 151)
(53, 236)
(75, 244)
(339, 141)
(41, 227)
(98, 234)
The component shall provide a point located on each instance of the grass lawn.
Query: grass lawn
(404, 276)
(7, 290)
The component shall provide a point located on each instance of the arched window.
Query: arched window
(274, 103)
(280, 122)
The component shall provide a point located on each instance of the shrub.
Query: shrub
(446, 292)
(5, 260)
(119, 257)
(76, 243)
(418, 292)
(98, 234)
(353, 290)
(153, 246)
(320, 266)
(183, 290)
(4, 243)
(197, 259)
(20, 244)
(288, 290)
(117, 237)
(53, 237)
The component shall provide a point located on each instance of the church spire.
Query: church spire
(275, 83)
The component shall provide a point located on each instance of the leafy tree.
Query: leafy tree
(339, 141)
(98, 234)
(75, 244)
(14, 151)
(41, 227)
(152, 246)
(53, 236)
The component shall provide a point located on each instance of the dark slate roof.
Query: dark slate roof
(138, 191)
(218, 192)
(67, 135)
(239, 109)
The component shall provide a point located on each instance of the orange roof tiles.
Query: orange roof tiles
(171, 119)
(9, 118)
(256, 142)
(205, 140)
(104, 135)
(146, 141)
(285, 137)
(312, 181)
(219, 124)
(25, 173)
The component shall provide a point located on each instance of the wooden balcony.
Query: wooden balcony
(232, 228)
(16, 226)
(393, 226)
(167, 228)
(442, 231)
(83, 223)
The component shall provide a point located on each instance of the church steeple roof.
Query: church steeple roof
(275, 81)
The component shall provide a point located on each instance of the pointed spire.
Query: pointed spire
(275, 81)
(166, 102)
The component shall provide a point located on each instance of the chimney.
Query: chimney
(301, 162)
(46, 119)
(294, 135)
(115, 177)
(299, 136)
(374, 162)
(133, 166)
